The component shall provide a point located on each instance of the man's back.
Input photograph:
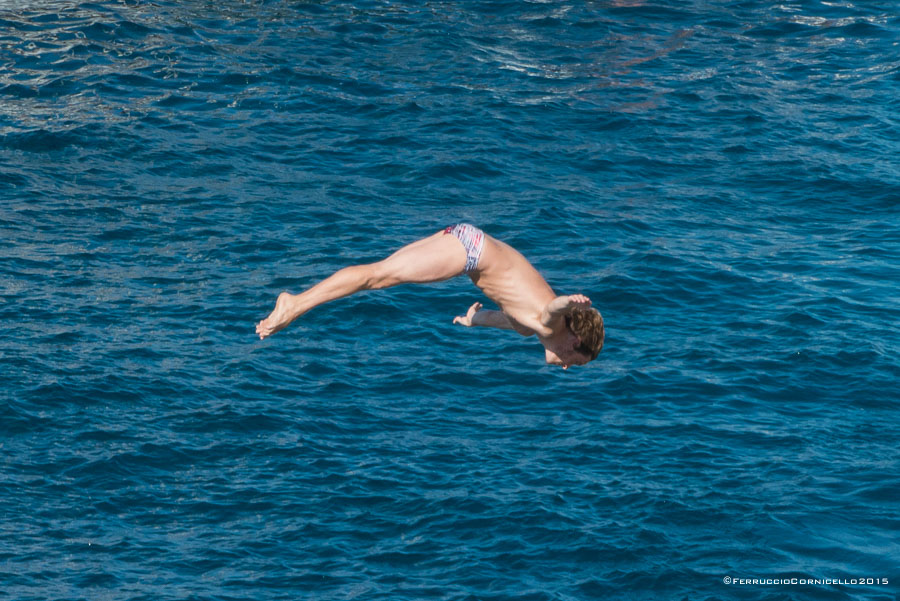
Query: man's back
(511, 281)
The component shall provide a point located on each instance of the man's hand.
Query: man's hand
(476, 316)
(466, 320)
(579, 301)
(559, 306)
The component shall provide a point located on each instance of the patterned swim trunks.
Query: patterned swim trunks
(472, 240)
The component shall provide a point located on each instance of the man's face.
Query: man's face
(566, 358)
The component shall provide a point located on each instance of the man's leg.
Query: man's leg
(432, 259)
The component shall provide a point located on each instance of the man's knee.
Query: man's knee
(380, 275)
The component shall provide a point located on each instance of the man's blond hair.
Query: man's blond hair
(587, 324)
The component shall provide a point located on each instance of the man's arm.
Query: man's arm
(485, 318)
(559, 306)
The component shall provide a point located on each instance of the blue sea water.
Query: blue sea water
(720, 177)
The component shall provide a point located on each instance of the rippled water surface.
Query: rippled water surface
(720, 177)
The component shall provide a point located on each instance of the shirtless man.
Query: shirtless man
(568, 328)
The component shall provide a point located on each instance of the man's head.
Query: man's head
(587, 325)
(582, 341)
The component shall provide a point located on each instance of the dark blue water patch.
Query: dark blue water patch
(863, 29)
(20, 91)
(780, 30)
(43, 140)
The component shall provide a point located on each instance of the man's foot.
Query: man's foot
(279, 318)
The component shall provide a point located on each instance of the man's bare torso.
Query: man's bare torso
(507, 278)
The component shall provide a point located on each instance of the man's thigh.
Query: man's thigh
(432, 259)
